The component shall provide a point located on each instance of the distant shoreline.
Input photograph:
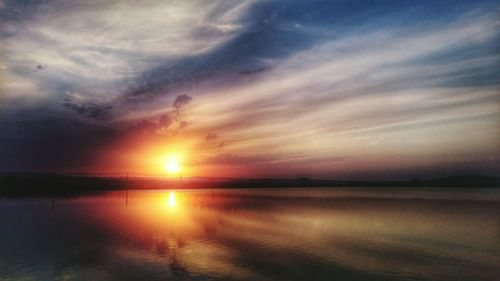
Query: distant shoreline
(33, 184)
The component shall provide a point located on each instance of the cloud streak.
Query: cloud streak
(326, 88)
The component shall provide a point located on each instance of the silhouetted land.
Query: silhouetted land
(31, 184)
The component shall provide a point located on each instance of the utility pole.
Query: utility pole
(126, 192)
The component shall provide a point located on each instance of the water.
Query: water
(292, 234)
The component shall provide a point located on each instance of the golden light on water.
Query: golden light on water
(171, 199)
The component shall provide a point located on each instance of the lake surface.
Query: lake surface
(280, 234)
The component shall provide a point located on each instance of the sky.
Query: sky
(344, 89)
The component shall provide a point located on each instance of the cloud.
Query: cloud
(211, 136)
(181, 101)
(183, 124)
(161, 125)
(53, 143)
(345, 95)
(301, 81)
(115, 54)
(165, 121)
(89, 110)
(232, 159)
(40, 67)
(150, 127)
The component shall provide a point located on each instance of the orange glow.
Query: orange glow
(157, 157)
(173, 165)
(144, 155)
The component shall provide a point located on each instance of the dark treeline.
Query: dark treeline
(30, 184)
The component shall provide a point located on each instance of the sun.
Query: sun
(172, 164)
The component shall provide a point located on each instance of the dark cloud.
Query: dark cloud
(40, 67)
(39, 142)
(144, 126)
(181, 101)
(211, 136)
(165, 121)
(152, 126)
(55, 143)
(89, 110)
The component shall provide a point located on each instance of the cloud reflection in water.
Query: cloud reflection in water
(251, 235)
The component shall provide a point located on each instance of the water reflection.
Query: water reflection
(253, 235)
(171, 199)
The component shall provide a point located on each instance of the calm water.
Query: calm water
(293, 234)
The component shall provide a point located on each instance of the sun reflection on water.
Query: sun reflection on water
(242, 234)
(171, 199)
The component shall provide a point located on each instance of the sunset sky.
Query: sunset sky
(327, 89)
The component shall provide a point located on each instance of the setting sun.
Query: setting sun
(172, 165)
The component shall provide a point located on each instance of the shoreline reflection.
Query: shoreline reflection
(250, 235)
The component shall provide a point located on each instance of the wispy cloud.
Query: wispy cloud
(99, 48)
(338, 98)
(323, 87)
